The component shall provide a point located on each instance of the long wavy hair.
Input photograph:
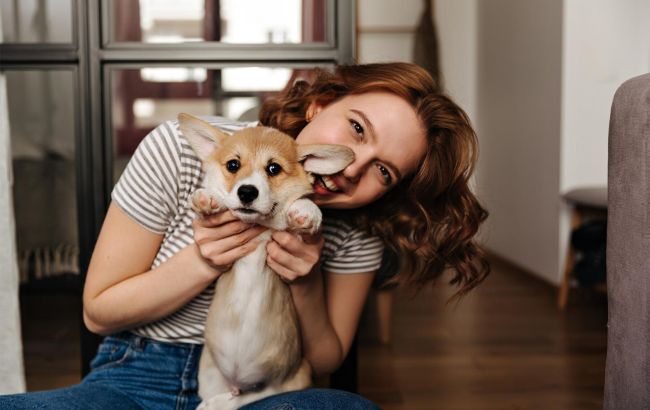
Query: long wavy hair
(430, 219)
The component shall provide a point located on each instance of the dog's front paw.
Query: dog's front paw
(204, 202)
(304, 216)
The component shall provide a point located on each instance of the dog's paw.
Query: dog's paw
(204, 202)
(304, 216)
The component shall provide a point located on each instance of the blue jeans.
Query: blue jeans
(133, 372)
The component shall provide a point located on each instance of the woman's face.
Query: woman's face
(387, 138)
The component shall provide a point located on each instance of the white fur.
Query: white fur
(264, 203)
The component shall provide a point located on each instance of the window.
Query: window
(89, 78)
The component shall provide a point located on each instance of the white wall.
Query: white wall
(385, 29)
(605, 43)
(519, 65)
(457, 25)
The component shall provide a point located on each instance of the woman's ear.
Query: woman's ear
(312, 110)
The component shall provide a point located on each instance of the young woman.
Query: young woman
(153, 270)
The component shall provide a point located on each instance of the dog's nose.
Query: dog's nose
(247, 193)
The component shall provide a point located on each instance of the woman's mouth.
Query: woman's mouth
(324, 184)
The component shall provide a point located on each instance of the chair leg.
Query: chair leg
(563, 294)
(384, 313)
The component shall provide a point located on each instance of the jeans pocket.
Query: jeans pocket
(111, 352)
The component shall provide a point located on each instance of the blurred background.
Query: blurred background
(81, 83)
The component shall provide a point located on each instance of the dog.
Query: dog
(252, 335)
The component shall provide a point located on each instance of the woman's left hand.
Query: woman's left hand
(293, 256)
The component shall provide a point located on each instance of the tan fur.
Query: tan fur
(255, 153)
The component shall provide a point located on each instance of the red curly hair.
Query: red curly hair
(430, 219)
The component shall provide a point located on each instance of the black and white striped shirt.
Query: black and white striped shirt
(155, 189)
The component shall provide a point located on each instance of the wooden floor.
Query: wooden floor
(503, 347)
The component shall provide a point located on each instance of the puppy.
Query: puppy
(252, 336)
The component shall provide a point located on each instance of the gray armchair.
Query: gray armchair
(627, 379)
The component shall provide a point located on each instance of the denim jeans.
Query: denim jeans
(133, 372)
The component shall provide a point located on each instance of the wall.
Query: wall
(385, 29)
(519, 66)
(605, 43)
(456, 23)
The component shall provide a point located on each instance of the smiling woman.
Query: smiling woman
(153, 271)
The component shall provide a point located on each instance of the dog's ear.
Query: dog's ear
(325, 159)
(203, 137)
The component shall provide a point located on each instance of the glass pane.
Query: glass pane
(36, 21)
(41, 118)
(227, 21)
(144, 98)
(42, 132)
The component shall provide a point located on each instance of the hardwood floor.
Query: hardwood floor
(505, 346)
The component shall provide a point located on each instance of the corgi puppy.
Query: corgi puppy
(252, 336)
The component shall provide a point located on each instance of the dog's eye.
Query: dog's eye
(233, 165)
(273, 169)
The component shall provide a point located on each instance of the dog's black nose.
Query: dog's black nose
(247, 193)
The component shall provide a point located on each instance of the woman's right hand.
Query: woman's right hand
(222, 239)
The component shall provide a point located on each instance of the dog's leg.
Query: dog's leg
(205, 202)
(301, 379)
(304, 216)
(211, 381)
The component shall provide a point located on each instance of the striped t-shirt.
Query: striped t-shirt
(155, 190)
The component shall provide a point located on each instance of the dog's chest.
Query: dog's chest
(250, 281)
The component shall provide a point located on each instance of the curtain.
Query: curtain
(11, 358)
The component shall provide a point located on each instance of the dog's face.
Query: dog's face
(258, 172)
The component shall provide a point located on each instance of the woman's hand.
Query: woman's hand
(293, 256)
(222, 239)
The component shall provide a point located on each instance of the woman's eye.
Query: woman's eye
(273, 169)
(233, 166)
(385, 174)
(358, 128)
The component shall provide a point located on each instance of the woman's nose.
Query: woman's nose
(354, 171)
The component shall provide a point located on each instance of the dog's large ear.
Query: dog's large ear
(203, 137)
(325, 159)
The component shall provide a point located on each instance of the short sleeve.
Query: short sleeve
(147, 190)
(349, 250)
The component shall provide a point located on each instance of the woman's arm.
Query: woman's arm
(328, 305)
(122, 291)
(329, 312)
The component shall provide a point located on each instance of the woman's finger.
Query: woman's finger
(203, 234)
(297, 266)
(216, 219)
(295, 244)
(228, 243)
(285, 274)
(223, 261)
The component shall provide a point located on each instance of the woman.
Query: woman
(149, 280)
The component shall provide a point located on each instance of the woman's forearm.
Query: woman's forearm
(149, 296)
(321, 345)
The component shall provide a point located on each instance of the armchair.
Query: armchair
(627, 377)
